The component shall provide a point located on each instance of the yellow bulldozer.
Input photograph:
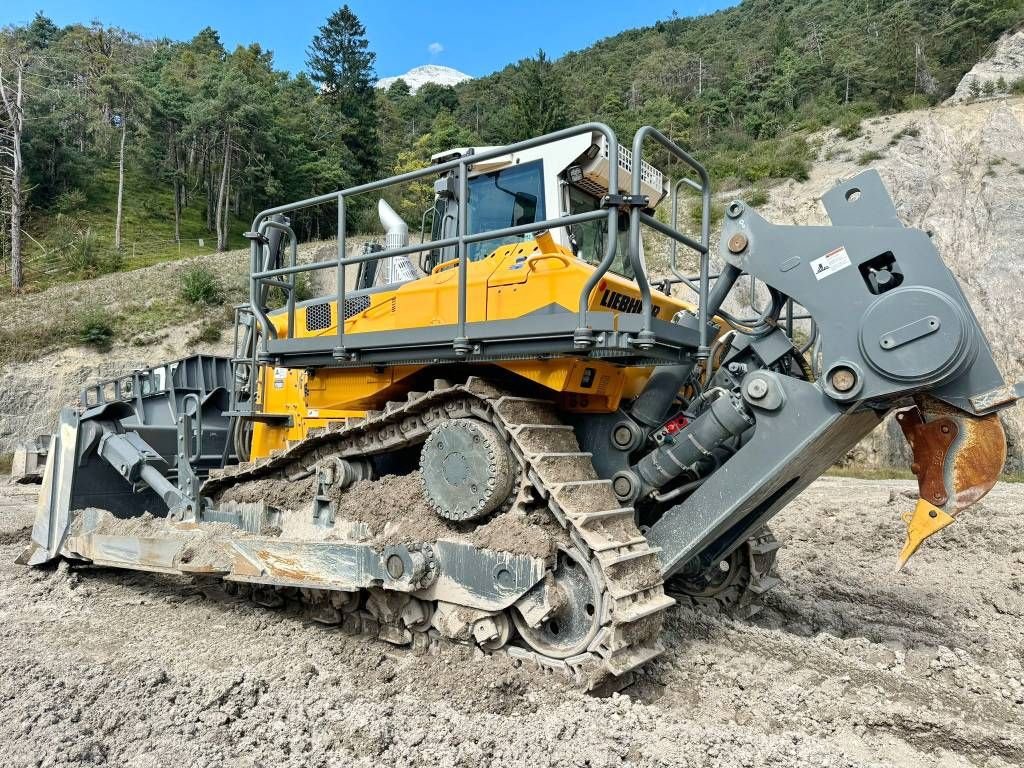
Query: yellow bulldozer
(510, 432)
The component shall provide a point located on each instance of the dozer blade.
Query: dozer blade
(957, 460)
(50, 528)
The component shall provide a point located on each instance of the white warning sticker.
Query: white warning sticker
(280, 374)
(830, 263)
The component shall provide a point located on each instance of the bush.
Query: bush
(1017, 87)
(79, 252)
(95, 328)
(869, 157)
(849, 127)
(208, 333)
(200, 286)
(70, 200)
(757, 197)
(916, 101)
(790, 159)
(278, 298)
(697, 213)
(910, 130)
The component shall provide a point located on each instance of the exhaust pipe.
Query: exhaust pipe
(396, 269)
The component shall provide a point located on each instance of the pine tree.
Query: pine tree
(341, 63)
(537, 100)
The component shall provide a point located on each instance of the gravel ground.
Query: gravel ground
(849, 665)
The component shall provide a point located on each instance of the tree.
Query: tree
(445, 134)
(19, 49)
(341, 63)
(126, 98)
(537, 100)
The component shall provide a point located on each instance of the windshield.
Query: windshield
(590, 237)
(505, 198)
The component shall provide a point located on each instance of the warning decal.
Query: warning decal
(280, 374)
(830, 263)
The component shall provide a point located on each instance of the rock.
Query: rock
(1002, 68)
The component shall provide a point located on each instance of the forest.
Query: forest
(118, 151)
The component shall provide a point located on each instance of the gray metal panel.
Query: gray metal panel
(862, 201)
(838, 297)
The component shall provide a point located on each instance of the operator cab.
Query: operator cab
(561, 178)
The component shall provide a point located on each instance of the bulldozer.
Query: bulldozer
(512, 433)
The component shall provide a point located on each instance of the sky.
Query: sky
(403, 33)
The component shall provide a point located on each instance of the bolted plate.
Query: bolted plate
(914, 334)
(466, 469)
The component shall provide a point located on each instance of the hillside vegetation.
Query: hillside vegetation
(136, 151)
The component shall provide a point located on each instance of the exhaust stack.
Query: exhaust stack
(396, 269)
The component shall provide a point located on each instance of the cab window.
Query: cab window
(506, 198)
(590, 237)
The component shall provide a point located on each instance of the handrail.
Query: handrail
(703, 248)
(583, 337)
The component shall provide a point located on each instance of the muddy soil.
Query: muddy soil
(850, 664)
(393, 510)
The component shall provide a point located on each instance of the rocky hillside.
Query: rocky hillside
(995, 74)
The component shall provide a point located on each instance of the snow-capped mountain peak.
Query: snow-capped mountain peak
(417, 77)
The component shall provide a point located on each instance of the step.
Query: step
(764, 584)
(588, 519)
(626, 611)
(631, 657)
(609, 559)
(601, 542)
(526, 410)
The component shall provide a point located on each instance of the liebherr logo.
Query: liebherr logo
(619, 302)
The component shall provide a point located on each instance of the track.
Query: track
(630, 600)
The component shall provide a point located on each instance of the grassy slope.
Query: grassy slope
(147, 231)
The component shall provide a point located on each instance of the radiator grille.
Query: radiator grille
(356, 305)
(318, 317)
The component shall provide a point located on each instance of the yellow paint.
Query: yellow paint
(925, 520)
(513, 281)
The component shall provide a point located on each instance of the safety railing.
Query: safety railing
(262, 277)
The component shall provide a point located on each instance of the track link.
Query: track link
(633, 600)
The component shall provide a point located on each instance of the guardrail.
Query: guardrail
(461, 342)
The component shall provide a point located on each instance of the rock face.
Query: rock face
(957, 171)
(417, 77)
(1002, 68)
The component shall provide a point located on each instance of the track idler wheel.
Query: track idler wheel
(735, 586)
(467, 469)
(560, 616)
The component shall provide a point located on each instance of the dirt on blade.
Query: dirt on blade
(850, 664)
